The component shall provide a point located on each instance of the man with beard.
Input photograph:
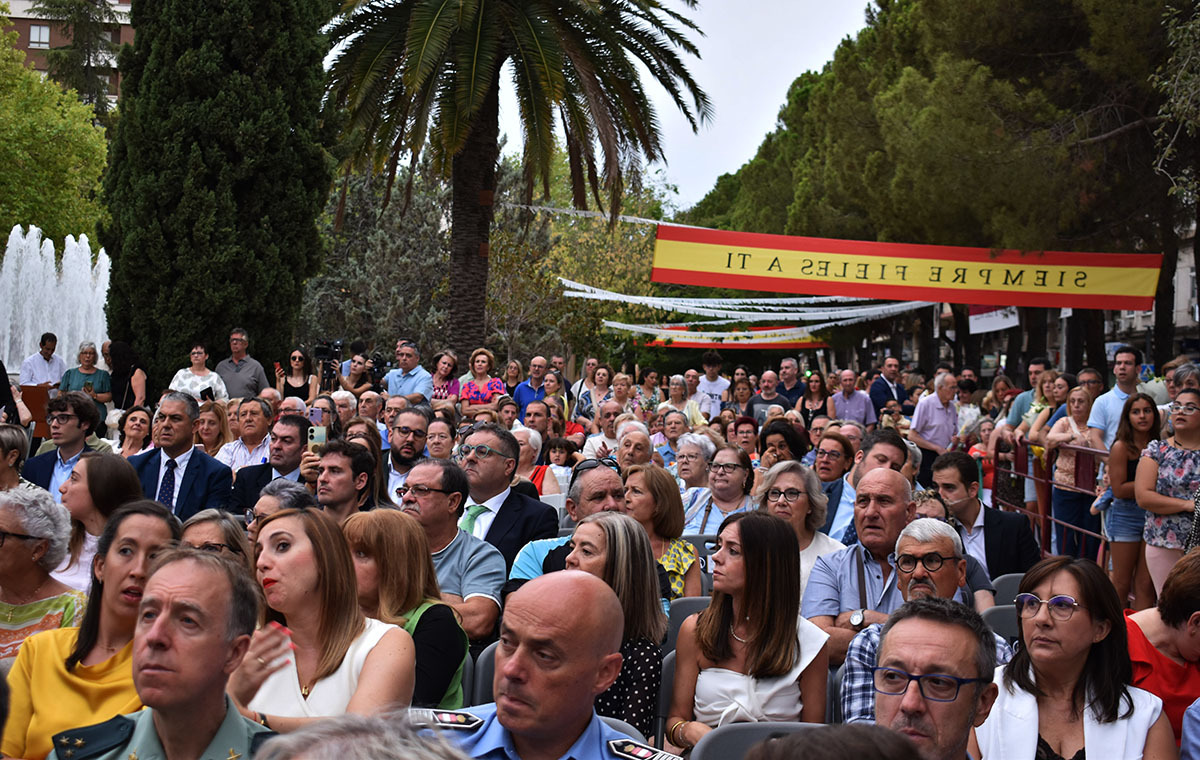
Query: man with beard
(929, 563)
(407, 441)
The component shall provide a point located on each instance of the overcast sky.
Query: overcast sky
(751, 52)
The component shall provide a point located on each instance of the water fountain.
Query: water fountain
(37, 296)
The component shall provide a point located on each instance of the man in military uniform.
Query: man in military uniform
(195, 620)
(560, 641)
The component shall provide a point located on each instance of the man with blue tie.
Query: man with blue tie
(176, 474)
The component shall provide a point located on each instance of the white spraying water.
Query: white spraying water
(37, 297)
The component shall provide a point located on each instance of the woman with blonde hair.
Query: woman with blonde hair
(212, 428)
(482, 390)
(318, 655)
(397, 584)
(622, 393)
(652, 499)
(615, 549)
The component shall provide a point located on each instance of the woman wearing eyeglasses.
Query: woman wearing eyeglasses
(791, 491)
(213, 530)
(750, 657)
(1168, 475)
(196, 378)
(299, 380)
(730, 479)
(652, 499)
(1068, 689)
(693, 453)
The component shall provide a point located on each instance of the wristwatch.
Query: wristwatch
(856, 619)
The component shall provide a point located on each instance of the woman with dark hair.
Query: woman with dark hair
(329, 659)
(133, 432)
(1124, 520)
(1068, 688)
(75, 677)
(750, 656)
(397, 584)
(98, 485)
(298, 380)
(779, 442)
(128, 376)
(648, 394)
(614, 548)
(815, 400)
(739, 402)
(439, 439)
(363, 432)
(791, 492)
(850, 740)
(591, 398)
(445, 380)
(358, 377)
(197, 378)
(1164, 642)
(652, 499)
(329, 416)
(730, 481)
(1168, 476)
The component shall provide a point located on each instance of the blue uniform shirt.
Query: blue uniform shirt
(492, 741)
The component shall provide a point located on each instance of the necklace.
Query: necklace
(734, 634)
(304, 690)
(33, 597)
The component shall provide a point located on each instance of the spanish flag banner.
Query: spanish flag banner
(901, 271)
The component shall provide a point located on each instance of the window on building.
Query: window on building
(39, 36)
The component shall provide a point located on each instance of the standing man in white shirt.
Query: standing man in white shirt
(712, 385)
(43, 367)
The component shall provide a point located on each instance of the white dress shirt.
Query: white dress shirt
(483, 523)
(181, 463)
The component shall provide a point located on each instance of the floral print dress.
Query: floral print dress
(1178, 477)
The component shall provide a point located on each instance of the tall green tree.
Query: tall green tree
(85, 62)
(217, 175)
(412, 72)
(52, 154)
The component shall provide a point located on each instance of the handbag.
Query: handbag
(1193, 536)
(113, 418)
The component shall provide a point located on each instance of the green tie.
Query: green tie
(467, 522)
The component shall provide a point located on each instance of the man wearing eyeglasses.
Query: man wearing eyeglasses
(929, 563)
(406, 442)
(949, 652)
(71, 415)
(497, 514)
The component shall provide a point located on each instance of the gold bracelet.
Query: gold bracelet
(673, 734)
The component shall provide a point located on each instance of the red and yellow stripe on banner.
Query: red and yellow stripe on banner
(683, 342)
(902, 272)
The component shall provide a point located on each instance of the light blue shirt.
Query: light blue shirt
(1020, 405)
(1106, 413)
(699, 518)
(1189, 746)
(492, 741)
(62, 471)
(844, 516)
(528, 564)
(833, 585)
(417, 380)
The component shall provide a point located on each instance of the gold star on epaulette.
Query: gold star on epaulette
(68, 753)
(79, 742)
(133, 755)
(233, 755)
(65, 741)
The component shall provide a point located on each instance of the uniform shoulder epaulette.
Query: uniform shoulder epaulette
(93, 741)
(635, 750)
(257, 740)
(458, 720)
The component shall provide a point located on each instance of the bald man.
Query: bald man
(560, 641)
(855, 587)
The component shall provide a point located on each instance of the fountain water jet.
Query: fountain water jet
(36, 296)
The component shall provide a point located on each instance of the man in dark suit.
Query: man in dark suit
(495, 513)
(887, 387)
(72, 415)
(289, 435)
(1002, 541)
(176, 474)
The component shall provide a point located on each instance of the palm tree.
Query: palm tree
(415, 72)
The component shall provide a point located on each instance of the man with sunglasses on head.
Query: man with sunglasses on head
(495, 512)
(949, 652)
(929, 563)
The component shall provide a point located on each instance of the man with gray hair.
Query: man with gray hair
(360, 737)
(293, 405)
(675, 424)
(194, 623)
(346, 404)
(176, 474)
(242, 374)
(935, 637)
(935, 424)
(929, 562)
(633, 444)
(276, 496)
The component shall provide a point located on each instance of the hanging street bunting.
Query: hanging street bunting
(774, 337)
(901, 271)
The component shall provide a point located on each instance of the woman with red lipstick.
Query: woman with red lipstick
(319, 655)
(1068, 689)
(749, 657)
(79, 676)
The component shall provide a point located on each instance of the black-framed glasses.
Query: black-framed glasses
(936, 687)
(407, 431)
(932, 562)
(591, 464)
(213, 547)
(1061, 607)
(5, 535)
(61, 418)
(789, 495)
(250, 516)
(480, 450)
(418, 490)
(831, 454)
(687, 457)
(726, 467)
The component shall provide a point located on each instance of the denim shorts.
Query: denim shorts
(1124, 521)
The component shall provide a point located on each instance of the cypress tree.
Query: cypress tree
(216, 176)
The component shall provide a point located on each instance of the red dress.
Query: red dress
(1178, 686)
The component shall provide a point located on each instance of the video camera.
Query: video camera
(328, 355)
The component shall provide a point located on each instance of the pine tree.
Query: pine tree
(216, 175)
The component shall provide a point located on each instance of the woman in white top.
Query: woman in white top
(318, 656)
(1067, 689)
(749, 657)
(98, 485)
(195, 379)
(791, 491)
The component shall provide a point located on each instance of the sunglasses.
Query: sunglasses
(591, 464)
